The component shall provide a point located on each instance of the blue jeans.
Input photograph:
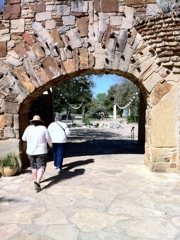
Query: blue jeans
(58, 154)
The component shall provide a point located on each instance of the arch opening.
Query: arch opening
(28, 108)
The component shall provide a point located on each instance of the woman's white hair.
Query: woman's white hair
(57, 118)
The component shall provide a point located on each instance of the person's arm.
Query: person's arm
(24, 136)
(48, 138)
(67, 131)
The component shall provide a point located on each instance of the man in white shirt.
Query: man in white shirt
(37, 137)
(59, 132)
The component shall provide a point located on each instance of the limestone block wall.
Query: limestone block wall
(45, 42)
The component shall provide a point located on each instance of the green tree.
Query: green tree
(73, 93)
(125, 94)
(100, 101)
(109, 103)
(98, 104)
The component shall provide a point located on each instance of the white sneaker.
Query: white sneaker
(58, 170)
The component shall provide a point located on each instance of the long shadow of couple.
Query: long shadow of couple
(67, 174)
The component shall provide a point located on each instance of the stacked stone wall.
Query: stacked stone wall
(43, 43)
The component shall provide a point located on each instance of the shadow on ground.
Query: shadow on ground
(103, 147)
(68, 172)
(87, 142)
(62, 176)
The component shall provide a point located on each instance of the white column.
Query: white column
(114, 111)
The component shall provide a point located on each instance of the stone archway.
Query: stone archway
(26, 104)
(45, 43)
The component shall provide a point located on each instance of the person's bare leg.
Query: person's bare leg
(34, 173)
(40, 173)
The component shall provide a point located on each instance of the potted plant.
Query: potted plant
(10, 164)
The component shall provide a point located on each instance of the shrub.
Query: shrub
(10, 160)
(131, 119)
(86, 121)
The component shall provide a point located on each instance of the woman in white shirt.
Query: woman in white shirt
(37, 137)
(59, 132)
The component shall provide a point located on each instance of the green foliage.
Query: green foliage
(131, 119)
(121, 94)
(98, 103)
(10, 160)
(109, 103)
(72, 93)
(86, 121)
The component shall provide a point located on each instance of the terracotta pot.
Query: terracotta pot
(7, 172)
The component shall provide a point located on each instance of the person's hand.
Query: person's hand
(48, 148)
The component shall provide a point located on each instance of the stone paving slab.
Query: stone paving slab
(100, 197)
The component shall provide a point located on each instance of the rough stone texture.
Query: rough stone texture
(109, 6)
(11, 11)
(162, 113)
(69, 66)
(97, 5)
(115, 20)
(79, 6)
(159, 92)
(127, 22)
(84, 60)
(16, 121)
(57, 38)
(8, 133)
(43, 16)
(3, 49)
(99, 56)
(37, 49)
(2, 121)
(51, 68)
(82, 25)
(43, 42)
(8, 120)
(20, 50)
(17, 26)
(29, 39)
(38, 7)
(135, 2)
(21, 74)
(63, 10)
(68, 20)
(164, 130)
(13, 61)
(10, 107)
(50, 24)
(74, 37)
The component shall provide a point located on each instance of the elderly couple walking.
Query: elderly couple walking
(38, 137)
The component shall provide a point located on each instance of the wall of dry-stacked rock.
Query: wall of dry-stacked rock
(43, 43)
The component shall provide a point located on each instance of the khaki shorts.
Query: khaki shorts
(38, 161)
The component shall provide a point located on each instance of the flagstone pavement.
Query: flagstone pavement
(105, 193)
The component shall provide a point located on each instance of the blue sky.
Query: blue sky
(104, 83)
(1, 4)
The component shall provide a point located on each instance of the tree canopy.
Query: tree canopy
(73, 92)
(124, 94)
